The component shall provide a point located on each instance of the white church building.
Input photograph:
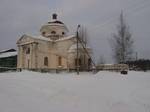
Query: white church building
(53, 49)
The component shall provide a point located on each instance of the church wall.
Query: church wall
(82, 56)
(34, 54)
(43, 51)
(26, 59)
(71, 60)
(47, 49)
(63, 46)
(19, 57)
(53, 51)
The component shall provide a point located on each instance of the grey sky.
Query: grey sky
(100, 17)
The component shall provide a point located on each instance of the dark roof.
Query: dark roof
(59, 22)
(9, 50)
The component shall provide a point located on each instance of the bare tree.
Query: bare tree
(122, 42)
(83, 35)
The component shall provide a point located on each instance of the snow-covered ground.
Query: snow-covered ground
(67, 92)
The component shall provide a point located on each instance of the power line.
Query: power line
(129, 10)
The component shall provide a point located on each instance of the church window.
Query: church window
(89, 62)
(79, 61)
(59, 61)
(43, 33)
(28, 51)
(46, 61)
(63, 33)
(53, 32)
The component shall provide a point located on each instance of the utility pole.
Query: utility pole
(136, 57)
(77, 59)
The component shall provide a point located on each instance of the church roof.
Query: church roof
(8, 54)
(40, 37)
(65, 38)
(48, 39)
(58, 22)
(8, 50)
(73, 48)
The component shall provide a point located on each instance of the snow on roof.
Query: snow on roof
(74, 47)
(56, 21)
(65, 38)
(54, 24)
(8, 54)
(7, 50)
(40, 37)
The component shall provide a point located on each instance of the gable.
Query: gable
(25, 39)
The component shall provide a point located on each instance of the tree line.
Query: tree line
(140, 64)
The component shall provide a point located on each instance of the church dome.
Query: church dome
(54, 29)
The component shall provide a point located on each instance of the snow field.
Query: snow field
(67, 92)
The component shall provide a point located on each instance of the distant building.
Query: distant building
(52, 49)
(8, 58)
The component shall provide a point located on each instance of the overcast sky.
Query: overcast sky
(100, 17)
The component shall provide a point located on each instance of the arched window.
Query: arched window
(89, 62)
(43, 33)
(59, 61)
(28, 51)
(63, 33)
(53, 32)
(46, 61)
